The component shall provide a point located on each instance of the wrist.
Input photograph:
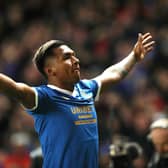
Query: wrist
(134, 57)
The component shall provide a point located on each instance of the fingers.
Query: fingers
(146, 35)
(146, 39)
(143, 39)
(149, 46)
(147, 42)
(149, 49)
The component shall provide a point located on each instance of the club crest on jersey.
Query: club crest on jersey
(86, 94)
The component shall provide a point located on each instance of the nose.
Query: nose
(75, 60)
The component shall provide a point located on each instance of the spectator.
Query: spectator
(159, 138)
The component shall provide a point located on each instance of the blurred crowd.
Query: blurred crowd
(102, 32)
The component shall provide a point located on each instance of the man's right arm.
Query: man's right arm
(22, 92)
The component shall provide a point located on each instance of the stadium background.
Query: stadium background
(102, 32)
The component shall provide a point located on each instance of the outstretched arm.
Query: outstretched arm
(22, 92)
(118, 71)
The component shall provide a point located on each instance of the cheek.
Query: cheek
(68, 63)
(66, 68)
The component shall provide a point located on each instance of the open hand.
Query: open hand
(144, 45)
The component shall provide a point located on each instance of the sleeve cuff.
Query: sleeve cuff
(99, 89)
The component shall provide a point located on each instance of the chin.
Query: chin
(77, 79)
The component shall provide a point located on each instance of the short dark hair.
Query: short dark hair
(44, 52)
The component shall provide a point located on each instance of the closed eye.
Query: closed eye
(68, 55)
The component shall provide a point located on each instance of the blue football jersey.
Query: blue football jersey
(67, 125)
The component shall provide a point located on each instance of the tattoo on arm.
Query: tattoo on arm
(124, 73)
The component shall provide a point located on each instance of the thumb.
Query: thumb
(139, 37)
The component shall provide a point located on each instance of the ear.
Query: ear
(50, 71)
(50, 68)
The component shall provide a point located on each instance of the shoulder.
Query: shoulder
(90, 86)
(42, 89)
(42, 92)
(41, 97)
(88, 83)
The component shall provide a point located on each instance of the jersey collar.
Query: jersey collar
(60, 89)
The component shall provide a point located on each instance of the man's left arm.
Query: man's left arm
(118, 71)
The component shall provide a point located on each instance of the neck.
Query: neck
(62, 85)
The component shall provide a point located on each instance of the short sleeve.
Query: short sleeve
(40, 100)
(95, 87)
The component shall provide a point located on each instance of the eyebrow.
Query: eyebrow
(69, 52)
